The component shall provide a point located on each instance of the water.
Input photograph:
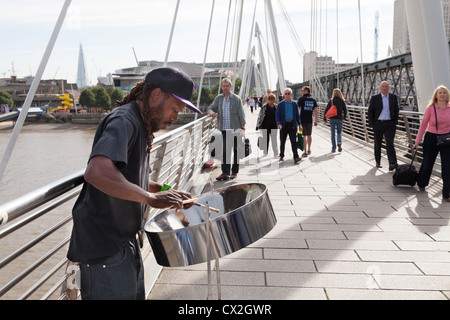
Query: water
(43, 153)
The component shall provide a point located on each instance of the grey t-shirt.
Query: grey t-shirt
(101, 223)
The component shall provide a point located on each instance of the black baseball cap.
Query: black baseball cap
(175, 82)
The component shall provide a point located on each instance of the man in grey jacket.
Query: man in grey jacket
(228, 110)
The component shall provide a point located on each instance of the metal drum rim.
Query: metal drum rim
(211, 220)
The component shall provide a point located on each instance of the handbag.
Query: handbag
(332, 112)
(248, 147)
(442, 140)
(300, 141)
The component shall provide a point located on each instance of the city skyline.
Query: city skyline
(108, 34)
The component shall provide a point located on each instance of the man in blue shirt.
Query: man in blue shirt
(288, 121)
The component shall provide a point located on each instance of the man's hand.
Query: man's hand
(168, 199)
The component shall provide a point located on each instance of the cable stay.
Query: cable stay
(301, 51)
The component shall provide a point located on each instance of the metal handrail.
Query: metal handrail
(176, 159)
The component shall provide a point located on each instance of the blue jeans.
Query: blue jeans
(336, 125)
(119, 277)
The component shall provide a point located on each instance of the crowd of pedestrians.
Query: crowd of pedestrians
(291, 118)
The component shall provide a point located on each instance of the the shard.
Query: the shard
(82, 79)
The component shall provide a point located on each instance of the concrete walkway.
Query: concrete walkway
(343, 232)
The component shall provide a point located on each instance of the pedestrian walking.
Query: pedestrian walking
(309, 115)
(336, 122)
(227, 107)
(436, 121)
(383, 118)
(288, 121)
(267, 121)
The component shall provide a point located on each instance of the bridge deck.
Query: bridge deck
(343, 232)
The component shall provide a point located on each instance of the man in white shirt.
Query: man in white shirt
(383, 118)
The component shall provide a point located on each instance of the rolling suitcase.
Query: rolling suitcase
(406, 174)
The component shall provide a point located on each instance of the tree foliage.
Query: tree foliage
(6, 98)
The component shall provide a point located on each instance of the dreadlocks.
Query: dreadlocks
(141, 92)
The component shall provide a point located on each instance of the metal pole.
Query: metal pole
(276, 45)
(247, 62)
(337, 41)
(204, 59)
(262, 58)
(208, 250)
(363, 85)
(171, 33)
(238, 40)
(429, 48)
(33, 89)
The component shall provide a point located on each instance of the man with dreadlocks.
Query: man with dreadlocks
(109, 212)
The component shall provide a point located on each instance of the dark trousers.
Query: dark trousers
(228, 149)
(387, 130)
(270, 135)
(430, 153)
(119, 277)
(288, 130)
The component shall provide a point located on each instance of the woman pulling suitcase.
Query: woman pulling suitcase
(437, 120)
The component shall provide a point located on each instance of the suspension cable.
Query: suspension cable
(34, 86)
(363, 86)
(224, 47)
(171, 33)
(206, 54)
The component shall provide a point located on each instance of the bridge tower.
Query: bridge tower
(429, 47)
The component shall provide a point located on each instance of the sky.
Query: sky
(108, 30)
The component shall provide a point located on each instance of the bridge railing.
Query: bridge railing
(35, 228)
(357, 127)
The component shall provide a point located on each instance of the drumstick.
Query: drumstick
(194, 201)
(210, 208)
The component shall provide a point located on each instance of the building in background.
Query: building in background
(82, 79)
(127, 78)
(401, 43)
(315, 66)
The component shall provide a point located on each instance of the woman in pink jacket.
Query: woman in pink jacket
(439, 110)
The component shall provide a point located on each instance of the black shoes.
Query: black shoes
(393, 167)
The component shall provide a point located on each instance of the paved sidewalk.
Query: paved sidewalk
(343, 232)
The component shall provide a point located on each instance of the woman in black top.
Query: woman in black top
(267, 121)
(336, 122)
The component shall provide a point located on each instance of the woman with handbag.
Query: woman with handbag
(336, 112)
(437, 120)
(268, 122)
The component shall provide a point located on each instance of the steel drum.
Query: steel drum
(178, 237)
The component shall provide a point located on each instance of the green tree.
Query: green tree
(206, 98)
(102, 99)
(87, 98)
(116, 95)
(6, 98)
(237, 85)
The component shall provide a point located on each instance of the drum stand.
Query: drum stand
(210, 248)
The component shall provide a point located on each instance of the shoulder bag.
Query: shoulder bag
(332, 112)
(443, 140)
